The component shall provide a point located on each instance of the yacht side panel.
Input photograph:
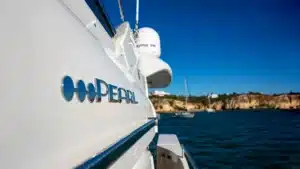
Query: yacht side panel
(41, 42)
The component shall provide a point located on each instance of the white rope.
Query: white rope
(121, 11)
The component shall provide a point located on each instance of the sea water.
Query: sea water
(268, 139)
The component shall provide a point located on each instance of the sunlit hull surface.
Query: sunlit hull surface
(71, 99)
(41, 43)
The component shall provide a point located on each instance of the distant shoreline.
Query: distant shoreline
(178, 111)
(203, 111)
(255, 102)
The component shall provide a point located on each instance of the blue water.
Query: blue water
(266, 139)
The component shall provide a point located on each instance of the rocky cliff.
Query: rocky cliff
(242, 101)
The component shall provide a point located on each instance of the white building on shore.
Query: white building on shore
(214, 96)
(159, 93)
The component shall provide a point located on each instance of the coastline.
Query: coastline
(178, 111)
(203, 111)
(173, 104)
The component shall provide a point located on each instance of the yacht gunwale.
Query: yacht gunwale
(115, 151)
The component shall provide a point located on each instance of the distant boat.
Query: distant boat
(185, 113)
(210, 110)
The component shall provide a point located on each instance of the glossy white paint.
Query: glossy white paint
(157, 72)
(159, 75)
(145, 161)
(133, 158)
(170, 154)
(42, 41)
(148, 42)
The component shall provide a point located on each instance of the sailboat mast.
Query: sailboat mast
(208, 99)
(186, 91)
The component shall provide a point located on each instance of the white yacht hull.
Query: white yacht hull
(185, 114)
(210, 110)
(75, 96)
(42, 42)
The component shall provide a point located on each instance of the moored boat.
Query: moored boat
(185, 113)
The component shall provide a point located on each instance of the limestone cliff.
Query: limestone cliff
(242, 101)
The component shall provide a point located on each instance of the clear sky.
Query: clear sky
(224, 46)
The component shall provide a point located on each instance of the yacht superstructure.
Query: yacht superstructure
(76, 89)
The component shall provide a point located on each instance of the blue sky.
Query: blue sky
(224, 46)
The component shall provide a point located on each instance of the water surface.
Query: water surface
(239, 139)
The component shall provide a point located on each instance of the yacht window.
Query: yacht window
(99, 12)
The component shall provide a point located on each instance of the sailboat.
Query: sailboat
(186, 113)
(209, 109)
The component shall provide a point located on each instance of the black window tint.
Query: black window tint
(98, 11)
